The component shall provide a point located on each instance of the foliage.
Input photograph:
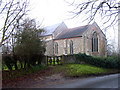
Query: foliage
(7, 75)
(8, 62)
(106, 62)
(29, 46)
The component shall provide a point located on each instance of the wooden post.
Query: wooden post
(57, 60)
(47, 60)
(63, 59)
(54, 60)
(50, 60)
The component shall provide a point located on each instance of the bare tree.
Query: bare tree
(107, 9)
(11, 12)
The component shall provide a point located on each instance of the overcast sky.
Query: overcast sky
(56, 11)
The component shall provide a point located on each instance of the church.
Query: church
(61, 40)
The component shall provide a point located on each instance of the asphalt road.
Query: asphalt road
(107, 81)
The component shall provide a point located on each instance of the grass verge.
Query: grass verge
(76, 70)
(68, 70)
(8, 75)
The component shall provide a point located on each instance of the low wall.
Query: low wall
(68, 59)
(64, 59)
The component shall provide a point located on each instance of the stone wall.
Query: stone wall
(68, 59)
(65, 44)
(47, 38)
(59, 29)
(63, 59)
(49, 48)
(102, 42)
(83, 44)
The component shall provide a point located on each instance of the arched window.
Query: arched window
(94, 42)
(56, 48)
(71, 47)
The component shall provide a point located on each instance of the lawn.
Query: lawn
(81, 70)
(66, 69)
(8, 75)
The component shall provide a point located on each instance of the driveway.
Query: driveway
(107, 81)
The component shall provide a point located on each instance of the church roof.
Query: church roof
(50, 29)
(73, 32)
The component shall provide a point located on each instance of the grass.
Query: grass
(68, 70)
(7, 75)
(80, 70)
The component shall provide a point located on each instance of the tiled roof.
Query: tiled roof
(73, 32)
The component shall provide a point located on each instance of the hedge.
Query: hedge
(106, 62)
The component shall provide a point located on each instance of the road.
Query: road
(107, 81)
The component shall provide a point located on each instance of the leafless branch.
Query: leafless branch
(106, 8)
(13, 12)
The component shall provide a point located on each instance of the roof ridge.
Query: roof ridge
(50, 29)
(79, 26)
(73, 32)
(53, 25)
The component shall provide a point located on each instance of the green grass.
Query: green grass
(66, 69)
(7, 75)
(80, 70)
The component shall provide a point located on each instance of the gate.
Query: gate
(54, 60)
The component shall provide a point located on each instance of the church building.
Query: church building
(61, 40)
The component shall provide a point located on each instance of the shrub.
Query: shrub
(8, 61)
(106, 62)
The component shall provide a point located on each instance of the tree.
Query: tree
(11, 12)
(7, 58)
(107, 9)
(29, 46)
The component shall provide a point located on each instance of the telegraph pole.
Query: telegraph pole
(119, 30)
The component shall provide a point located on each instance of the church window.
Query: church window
(66, 47)
(56, 48)
(94, 42)
(71, 47)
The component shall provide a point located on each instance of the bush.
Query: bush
(8, 61)
(106, 62)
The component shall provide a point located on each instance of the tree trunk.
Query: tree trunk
(0, 44)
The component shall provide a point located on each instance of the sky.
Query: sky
(51, 12)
